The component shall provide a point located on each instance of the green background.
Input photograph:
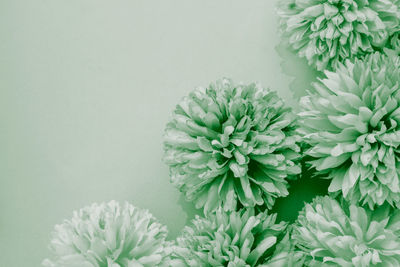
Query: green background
(86, 87)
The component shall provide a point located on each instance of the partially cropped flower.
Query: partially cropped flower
(351, 122)
(326, 32)
(109, 234)
(237, 238)
(348, 236)
(231, 143)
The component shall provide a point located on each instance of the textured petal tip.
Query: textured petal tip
(109, 234)
(232, 143)
(351, 124)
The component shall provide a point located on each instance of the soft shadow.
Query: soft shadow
(297, 68)
(301, 191)
(188, 208)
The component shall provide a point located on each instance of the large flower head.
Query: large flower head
(352, 123)
(348, 235)
(231, 143)
(326, 32)
(109, 234)
(237, 238)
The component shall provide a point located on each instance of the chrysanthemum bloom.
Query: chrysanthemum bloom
(231, 143)
(348, 236)
(237, 238)
(352, 123)
(109, 234)
(326, 32)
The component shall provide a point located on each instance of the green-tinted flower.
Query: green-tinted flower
(352, 123)
(348, 236)
(229, 143)
(107, 234)
(326, 32)
(237, 238)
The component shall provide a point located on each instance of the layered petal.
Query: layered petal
(109, 234)
(232, 145)
(351, 123)
(331, 234)
(327, 32)
(237, 238)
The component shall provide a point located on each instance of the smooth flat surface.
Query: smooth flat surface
(86, 88)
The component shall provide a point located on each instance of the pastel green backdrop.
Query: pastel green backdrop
(86, 88)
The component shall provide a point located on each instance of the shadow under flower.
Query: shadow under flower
(301, 191)
(189, 209)
(302, 75)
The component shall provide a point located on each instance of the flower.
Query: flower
(348, 235)
(351, 121)
(229, 143)
(234, 238)
(109, 234)
(326, 32)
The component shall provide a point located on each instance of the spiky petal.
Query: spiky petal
(237, 238)
(326, 32)
(109, 234)
(351, 121)
(231, 143)
(332, 234)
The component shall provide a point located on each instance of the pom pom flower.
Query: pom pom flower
(326, 32)
(237, 238)
(351, 122)
(108, 234)
(332, 235)
(229, 143)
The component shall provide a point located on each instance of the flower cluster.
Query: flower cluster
(231, 149)
(351, 122)
(331, 234)
(109, 234)
(231, 143)
(327, 32)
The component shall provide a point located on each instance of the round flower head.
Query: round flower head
(326, 32)
(108, 234)
(229, 143)
(237, 238)
(351, 122)
(348, 236)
